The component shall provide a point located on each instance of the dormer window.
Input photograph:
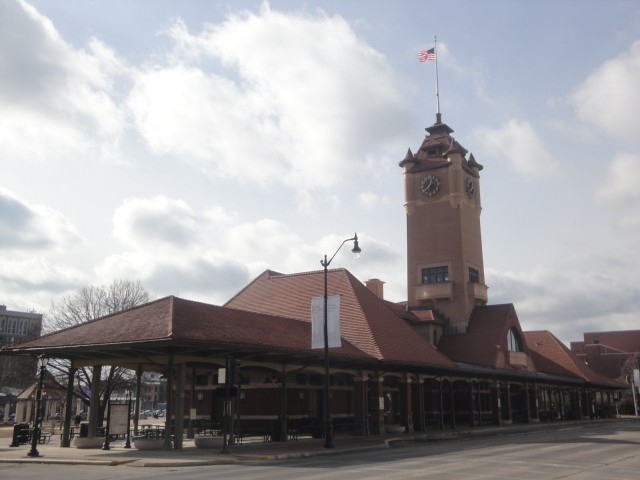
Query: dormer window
(514, 344)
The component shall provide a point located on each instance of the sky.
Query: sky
(192, 145)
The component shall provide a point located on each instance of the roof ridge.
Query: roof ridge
(352, 282)
(266, 274)
(71, 327)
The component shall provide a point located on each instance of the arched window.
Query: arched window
(513, 341)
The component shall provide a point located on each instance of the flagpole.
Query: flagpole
(435, 51)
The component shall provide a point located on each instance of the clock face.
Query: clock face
(470, 187)
(430, 185)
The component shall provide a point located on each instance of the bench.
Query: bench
(265, 434)
(209, 429)
(45, 437)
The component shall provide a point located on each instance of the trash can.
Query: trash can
(84, 429)
(20, 434)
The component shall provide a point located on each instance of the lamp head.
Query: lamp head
(42, 361)
(356, 248)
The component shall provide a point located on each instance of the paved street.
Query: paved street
(590, 451)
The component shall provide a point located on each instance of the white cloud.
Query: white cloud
(210, 254)
(27, 227)
(155, 222)
(55, 101)
(610, 98)
(519, 145)
(619, 192)
(30, 282)
(37, 273)
(371, 200)
(259, 98)
(594, 291)
(620, 187)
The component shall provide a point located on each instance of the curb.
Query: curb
(63, 461)
(239, 456)
(314, 453)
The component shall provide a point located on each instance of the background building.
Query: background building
(614, 355)
(15, 328)
(16, 373)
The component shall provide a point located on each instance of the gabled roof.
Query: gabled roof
(50, 386)
(484, 343)
(172, 321)
(365, 320)
(551, 356)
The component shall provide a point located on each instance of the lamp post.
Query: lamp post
(128, 442)
(328, 427)
(35, 436)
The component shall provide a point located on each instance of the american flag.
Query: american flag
(425, 55)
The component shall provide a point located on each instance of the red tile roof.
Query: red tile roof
(552, 356)
(365, 320)
(485, 342)
(175, 319)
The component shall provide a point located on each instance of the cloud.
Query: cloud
(155, 222)
(619, 192)
(579, 293)
(371, 201)
(610, 98)
(210, 254)
(258, 98)
(29, 283)
(520, 146)
(25, 227)
(228, 98)
(37, 273)
(620, 187)
(55, 101)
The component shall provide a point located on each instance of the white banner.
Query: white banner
(636, 377)
(333, 322)
(118, 418)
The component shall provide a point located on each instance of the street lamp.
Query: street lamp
(35, 436)
(328, 427)
(128, 442)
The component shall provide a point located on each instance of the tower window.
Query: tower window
(474, 275)
(513, 341)
(435, 274)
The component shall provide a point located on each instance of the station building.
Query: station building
(445, 358)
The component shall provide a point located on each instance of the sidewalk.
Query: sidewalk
(189, 455)
(52, 453)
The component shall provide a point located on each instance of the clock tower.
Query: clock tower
(445, 270)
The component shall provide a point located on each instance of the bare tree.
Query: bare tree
(93, 302)
(87, 304)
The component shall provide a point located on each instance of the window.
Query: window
(435, 275)
(513, 341)
(474, 275)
